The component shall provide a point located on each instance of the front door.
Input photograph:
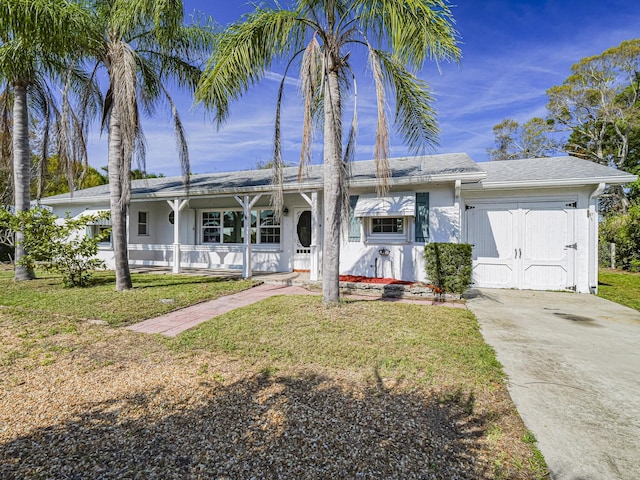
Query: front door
(302, 240)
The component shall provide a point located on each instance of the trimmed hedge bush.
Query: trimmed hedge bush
(448, 266)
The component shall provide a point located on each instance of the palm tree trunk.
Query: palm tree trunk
(333, 184)
(117, 203)
(21, 172)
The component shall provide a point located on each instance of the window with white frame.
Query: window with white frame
(394, 225)
(222, 226)
(227, 227)
(387, 229)
(143, 223)
(211, 227)
(264, 227)
(103, 232)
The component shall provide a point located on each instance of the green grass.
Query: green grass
(152, 295)
(431, 345)
(620, 287)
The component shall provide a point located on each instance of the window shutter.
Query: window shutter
(422, 217)
(354, 222)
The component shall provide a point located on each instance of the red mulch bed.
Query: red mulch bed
(382, 281)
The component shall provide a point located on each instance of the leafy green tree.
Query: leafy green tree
(395, 35)
(599, 105)
(143, 45)
(532, 139)
(624, 231)
(38, 41)
(61, 247)
(55, 181)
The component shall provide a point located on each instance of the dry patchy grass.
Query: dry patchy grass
(365, 390)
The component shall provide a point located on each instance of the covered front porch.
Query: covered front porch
(227, 233)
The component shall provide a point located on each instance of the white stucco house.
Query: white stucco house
(533, 223)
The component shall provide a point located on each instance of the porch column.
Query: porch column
(247, 204)
(176, 205)
(315, 235)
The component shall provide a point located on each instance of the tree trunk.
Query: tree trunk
(21, 172)
(117, 177)
(333, 184)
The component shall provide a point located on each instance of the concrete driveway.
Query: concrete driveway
(573, 362)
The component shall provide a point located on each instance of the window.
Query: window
(211, 227)
(103, 231)
(387, 225)
(387, 229)
(143, 223)
(264, 227)
(228, 227)
(233, 231)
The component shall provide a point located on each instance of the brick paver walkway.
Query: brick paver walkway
(173, 323)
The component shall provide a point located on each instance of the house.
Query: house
(533, 223)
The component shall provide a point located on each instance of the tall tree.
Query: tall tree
(532, 139)
(599, 104)
(144, 44)
(38, 41)
(322, 35)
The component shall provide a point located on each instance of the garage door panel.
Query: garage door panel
(545, 234)
(545, 277)
(490, 230)
(492, 275)
(494, 233)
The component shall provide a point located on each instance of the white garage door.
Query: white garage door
(526, 245)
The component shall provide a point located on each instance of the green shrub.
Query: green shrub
(448, 266)
(58, 246)
(624, 231)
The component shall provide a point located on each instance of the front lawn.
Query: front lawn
(620, 287)
(151, 296)
(284, 388)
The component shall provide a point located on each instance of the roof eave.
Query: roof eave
(619, 180)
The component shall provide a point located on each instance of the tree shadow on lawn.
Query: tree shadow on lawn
(302, 426)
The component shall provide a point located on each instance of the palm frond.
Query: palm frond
(381, 148)
(310, 86)
(277, 180)
(181, 141)
(243, 54)
(415, 117)
(415, 30)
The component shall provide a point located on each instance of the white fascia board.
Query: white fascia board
(621, 180)
(423, 180)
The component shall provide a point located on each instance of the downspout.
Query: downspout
(593, 238)
(457, 204)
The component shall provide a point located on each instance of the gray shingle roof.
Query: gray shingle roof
(555, 170)
(404, 171)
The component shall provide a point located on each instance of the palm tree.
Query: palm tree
(38, 40)
(321, 33)
(143, 44)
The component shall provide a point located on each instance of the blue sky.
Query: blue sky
(513, 51)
